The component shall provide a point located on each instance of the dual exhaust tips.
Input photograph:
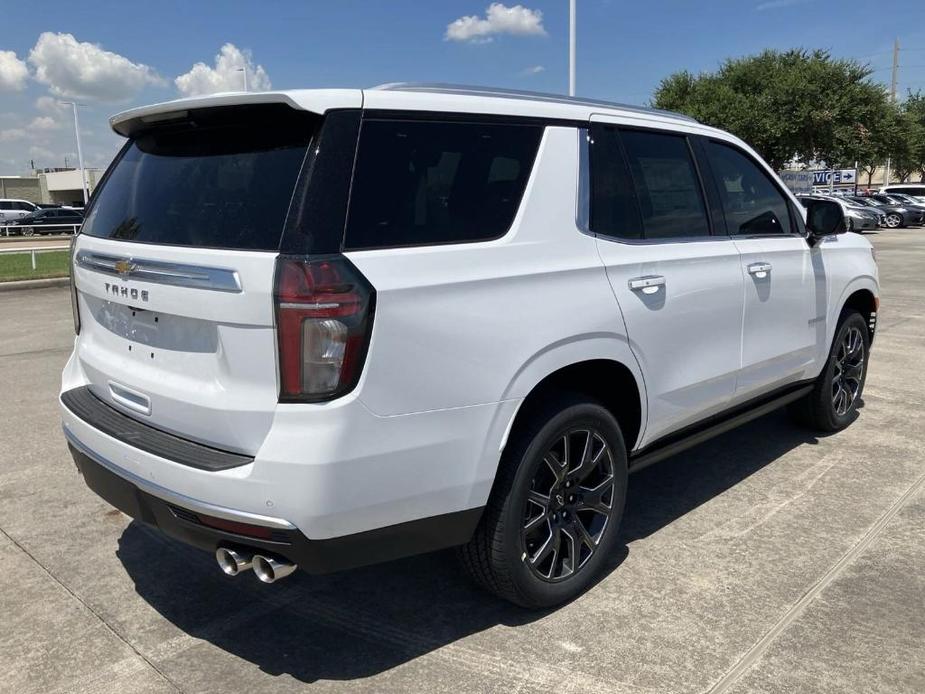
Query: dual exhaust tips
(268, 569)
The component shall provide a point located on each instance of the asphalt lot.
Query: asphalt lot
(767, 560)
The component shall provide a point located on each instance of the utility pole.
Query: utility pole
(571, 47)
(887, 176)
(80, 156)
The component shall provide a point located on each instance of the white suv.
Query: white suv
(327, 328)
(11, 209)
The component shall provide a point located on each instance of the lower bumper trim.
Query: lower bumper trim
(314, 556)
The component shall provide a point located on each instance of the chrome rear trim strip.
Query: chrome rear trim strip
(161, 272)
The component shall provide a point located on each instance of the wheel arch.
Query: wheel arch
(612, 382)
(861, 297)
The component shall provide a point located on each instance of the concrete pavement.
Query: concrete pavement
(767, 560)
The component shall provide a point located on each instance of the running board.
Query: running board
(714, 426)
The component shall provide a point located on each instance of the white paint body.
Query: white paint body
(461, 335)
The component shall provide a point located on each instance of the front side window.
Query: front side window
(666, 184)
(428, 182)
(751, 202)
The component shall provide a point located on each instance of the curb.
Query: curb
(35, 284)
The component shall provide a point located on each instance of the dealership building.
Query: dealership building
(61, 186)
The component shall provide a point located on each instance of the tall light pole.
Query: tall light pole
(244, 70)
(571, 47)
(888, 175)
(80, 156)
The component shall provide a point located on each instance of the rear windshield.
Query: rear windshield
(223, 178)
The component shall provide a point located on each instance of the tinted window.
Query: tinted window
(666, 184)
(5, 205)
(614, 211)
(422, 182)
(751, 202)
(224, 179)
(907, 191)
(23, 206)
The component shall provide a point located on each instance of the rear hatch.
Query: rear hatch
(174, 270)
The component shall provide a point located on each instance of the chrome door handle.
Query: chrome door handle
(759, 270)
(648, 284)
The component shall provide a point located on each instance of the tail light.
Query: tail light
(324, 311)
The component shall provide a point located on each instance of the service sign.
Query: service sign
(837, 176)
(798, 181)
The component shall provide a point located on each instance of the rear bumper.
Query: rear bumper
(188, 520)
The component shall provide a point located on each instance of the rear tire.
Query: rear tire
(552, 520)
(832, 404)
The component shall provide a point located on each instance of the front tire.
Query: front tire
(832, 404)
(552, 520)
(894, 221)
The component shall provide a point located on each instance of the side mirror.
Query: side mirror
(825, 217)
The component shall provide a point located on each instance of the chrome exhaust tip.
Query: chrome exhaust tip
(233, 561)
(270, 569)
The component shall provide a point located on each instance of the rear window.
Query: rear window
(426, 182)
(222, 178)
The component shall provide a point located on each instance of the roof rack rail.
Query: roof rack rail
(503, 93)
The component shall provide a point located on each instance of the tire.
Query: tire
(894, 221)
(28, 231)
(553, 561)
(832, 404)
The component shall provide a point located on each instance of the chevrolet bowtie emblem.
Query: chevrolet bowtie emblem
(124, 267)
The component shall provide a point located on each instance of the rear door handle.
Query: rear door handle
(759, 270)
(648, 284)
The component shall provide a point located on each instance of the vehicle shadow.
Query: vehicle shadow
(358, 623)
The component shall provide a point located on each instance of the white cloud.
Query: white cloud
(499, 19)
(225, 76)
(13, 134)
(79, 70)
(51, 106)
(533, 70)
(44, 123)
(13, 72)
(41, 153)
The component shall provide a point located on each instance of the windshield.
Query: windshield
(221, 179)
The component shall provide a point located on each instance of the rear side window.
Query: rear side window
(751, 202)
(222, 178)
(613, 205)
(666, 183)
(426, 182)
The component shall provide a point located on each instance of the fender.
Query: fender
(868, 282)
(556, 356)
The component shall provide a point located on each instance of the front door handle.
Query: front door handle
(759, 270)
(649, 284)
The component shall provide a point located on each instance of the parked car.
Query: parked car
(895, 216)
(461, 324)
(916, 212)
(857, 217)
(48, 221)
(907, 201)
(11, 209)
(916, 190)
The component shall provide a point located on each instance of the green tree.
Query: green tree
(914, 110)
(788, 105)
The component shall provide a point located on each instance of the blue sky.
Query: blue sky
(625, 48)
